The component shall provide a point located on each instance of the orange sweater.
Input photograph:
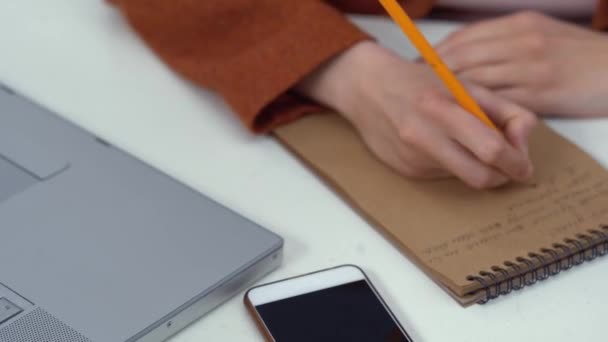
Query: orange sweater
(252, 52)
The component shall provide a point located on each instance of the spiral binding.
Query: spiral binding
(514, 276)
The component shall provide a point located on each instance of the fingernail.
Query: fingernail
(500, 181)
(526, 150)
(526, 141)
(522, 144)
(528, 172)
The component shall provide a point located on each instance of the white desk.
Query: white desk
(80, 59)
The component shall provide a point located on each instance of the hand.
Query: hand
(548, 66)
(411, 123)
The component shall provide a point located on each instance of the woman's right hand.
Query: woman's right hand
(411, 122)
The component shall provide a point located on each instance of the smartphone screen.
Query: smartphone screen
(351, 311)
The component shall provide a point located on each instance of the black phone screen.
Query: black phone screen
(349, 312)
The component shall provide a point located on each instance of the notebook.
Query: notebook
(477, 245)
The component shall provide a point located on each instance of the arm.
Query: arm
(249, 51)
(600, 20)
(266, 57)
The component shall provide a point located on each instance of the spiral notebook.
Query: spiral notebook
(477, 245)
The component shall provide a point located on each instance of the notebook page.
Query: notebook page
(449, 229)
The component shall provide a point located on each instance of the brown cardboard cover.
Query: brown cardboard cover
(450, 230)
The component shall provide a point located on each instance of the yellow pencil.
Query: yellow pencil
(432, 58)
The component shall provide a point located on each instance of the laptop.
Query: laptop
(97, 246)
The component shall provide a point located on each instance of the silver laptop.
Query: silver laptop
(97, 246)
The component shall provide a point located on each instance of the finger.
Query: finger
(483, 30)
(515, 121)
(410, 161)
(488, 145)
(522, 96)
(494, 29)
(463, 57)
(493, 76)
(405, 160)
(497, 76)
(419, 165)
(457, 160)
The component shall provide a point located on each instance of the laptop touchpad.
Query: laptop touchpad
(13, 179)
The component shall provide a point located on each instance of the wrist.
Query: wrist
(341, 83)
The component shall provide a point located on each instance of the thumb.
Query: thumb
(516, 122)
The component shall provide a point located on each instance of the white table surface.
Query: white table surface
(79, 58)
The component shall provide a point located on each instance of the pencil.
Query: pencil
(429, 54)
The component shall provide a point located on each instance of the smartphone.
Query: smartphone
(336, 304)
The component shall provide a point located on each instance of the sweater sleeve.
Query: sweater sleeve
(251, 52)
(600, 21)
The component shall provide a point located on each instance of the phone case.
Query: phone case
(266, 333)
(257, 319)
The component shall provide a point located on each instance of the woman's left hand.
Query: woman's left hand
(548, 66)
